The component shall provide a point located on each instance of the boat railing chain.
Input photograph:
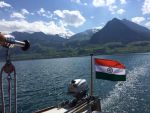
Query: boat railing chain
(8, 68)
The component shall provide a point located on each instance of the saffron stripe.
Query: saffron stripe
(109, 63)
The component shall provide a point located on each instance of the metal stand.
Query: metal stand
(91, 82)
(8, 68)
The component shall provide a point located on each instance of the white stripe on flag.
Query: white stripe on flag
(104, 69)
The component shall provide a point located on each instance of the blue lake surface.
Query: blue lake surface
(43, 83)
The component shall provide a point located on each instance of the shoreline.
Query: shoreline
(49, 57)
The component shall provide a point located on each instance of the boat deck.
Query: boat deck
(83, 106)
(61, 110)
(56, 110)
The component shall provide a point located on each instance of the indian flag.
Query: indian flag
(109, 70)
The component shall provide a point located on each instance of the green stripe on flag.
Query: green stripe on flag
(111, 77)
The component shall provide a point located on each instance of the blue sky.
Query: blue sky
(69, 16)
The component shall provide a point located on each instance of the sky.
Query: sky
(69, 16)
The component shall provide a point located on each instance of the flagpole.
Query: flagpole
(91, 82)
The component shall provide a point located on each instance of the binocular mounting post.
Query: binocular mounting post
(8, 68)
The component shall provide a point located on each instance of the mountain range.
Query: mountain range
(123, 31)
(85, 35)
(117, 36)
(116, 30)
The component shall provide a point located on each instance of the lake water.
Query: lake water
(42, 83)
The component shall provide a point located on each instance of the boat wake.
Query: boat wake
(124, 97)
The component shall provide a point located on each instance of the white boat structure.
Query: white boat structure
(82, 103)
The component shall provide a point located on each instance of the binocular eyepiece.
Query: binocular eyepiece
(10, 40)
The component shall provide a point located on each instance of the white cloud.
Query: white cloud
(32, 13)
(79, 2)
(41, 11)
(4, 4)
(24, 11)
(99, 27)
(102, 3)
(110, 2)
(112, 9)
(120, 11)
(147, 24)
(146, 7)
(85, 4)
(92, 17)
(17, 15)
(59, 13)
(99, 3)
(138, 20)
(45, 13)
(37, 26)
(123, 1)
(71, 18)
(76, 1)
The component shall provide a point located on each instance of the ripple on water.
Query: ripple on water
(126, 97)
